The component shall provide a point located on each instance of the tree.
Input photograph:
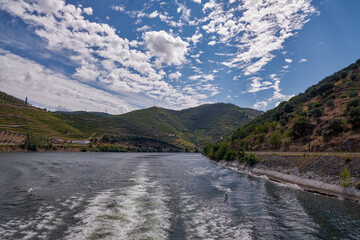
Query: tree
(275, 139)
(301, 127)
(31, 143)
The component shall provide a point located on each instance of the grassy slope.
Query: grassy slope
(315, 106)
(17, 116)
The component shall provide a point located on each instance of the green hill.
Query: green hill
(148, 129)
(326, 117)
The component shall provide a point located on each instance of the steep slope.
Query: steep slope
(326, 117)
(19, 117)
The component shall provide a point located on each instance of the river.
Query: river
(157, 196)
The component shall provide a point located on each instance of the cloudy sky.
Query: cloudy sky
(121, 55)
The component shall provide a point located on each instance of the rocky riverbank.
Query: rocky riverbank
(315, 172)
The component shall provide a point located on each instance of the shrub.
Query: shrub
(241, 155)
(347, 159)
(208, 150)
(286, 142)
(345, 177)
(230, 155)
(260, 138)
(330, 103)
(333, 128)
(275, 139)
(317, 112)
(352, 93)
(357, 185)
(353, 102)
(343, 95)
(354, 116)
(282, 121)
(31, 143)
(301, 127)
(221, 151)
(353, 77)
(288, 107)
(251, 158)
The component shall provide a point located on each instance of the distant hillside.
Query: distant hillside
(188, 128)
(326, 117)
(153, 128)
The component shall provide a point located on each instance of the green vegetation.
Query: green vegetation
(152, 129)
(275, 139)
(345, 177)
(309, 121)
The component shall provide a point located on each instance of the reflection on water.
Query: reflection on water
(157, 196)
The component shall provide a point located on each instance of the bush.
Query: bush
(241, 155)
(347, 159)
(221, 151)
(354, 116)
(330, 103)
(301, 127)
(357, 185)
(31, 143)
(251, 158)
(353, 77)
(260, 138)
(208, 150)
(345, 177)
(317, 112)
(230, 155)
(333, 128)
(352, 93)
(275, 139)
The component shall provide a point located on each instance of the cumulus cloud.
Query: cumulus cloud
(100, 55)
(165, 47)
(302, 60)
(176, 75)
(118, 8)
(57, 91)
(88, 11)
(143, 28)
(197, 1)
(288, 60)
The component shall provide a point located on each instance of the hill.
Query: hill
(326, 117)
(154, 129)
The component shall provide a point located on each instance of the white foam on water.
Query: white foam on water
(204, 221)
(139, 211)
(39, 225)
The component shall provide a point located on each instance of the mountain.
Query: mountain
(147, 129)
(326, 117)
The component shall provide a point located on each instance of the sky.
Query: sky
(116, 56)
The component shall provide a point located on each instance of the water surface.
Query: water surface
(157, 196)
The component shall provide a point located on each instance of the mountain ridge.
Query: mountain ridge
(167, 129)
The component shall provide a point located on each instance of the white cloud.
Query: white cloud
(176, 75)
(302, 60)
(168, 49)
(261, 105)
(259, 31)
(286, 67)
(143, 28)
(288, 60)
(195, 38)
(98, 54)
(118, 8)
(211, 43)
(197, 1)
(24, 78)
(88, 11)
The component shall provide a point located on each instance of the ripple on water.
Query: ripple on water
(139, 211)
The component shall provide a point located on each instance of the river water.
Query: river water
(157, 196)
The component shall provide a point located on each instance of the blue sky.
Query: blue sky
(118, 56)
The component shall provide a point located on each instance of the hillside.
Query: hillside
(188, 129)
(148, 129)
(326, 117)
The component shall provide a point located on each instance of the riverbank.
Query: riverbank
(314, 172)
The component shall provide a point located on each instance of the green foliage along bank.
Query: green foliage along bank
(326, 117)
